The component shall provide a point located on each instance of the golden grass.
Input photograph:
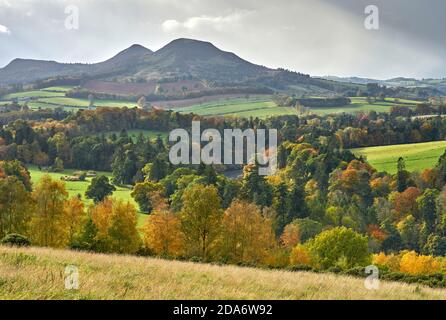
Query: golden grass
(38, 273)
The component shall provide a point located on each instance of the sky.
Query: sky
(316, 37)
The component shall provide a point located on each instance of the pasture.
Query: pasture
(360, 104)
(38, 273)
(80, 187)
(254, 107)
(418, 156)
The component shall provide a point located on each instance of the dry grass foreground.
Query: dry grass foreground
(38, 273)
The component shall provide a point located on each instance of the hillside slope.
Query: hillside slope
(38, 273)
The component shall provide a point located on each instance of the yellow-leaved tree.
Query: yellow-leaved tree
(246, 234)
(48, 224)
(200, 219)
(75, 217)
(162, 232)
(116, 224)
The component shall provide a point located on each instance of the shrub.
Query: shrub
(340, 247)
(300, 256)
(15, 239)
(412, 263)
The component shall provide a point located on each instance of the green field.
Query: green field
(134, 134)
(361, 104)
(261, 108)
(418, 156)
(79, 187)
(54, 97)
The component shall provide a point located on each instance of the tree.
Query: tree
(340, 247)
(290, 236)
(48, 224)
(58, 165)
(115, 222)
(142, 194)
(409, 232)
(254, 187)
(15, 206)
(300, 256)
(200, 218)
(162, 232)
(402, 175)
(428, 208)
(75, 216)
(246, 234)
(99, 188)
(435, 245)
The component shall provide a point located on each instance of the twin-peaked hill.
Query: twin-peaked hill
(181, 59)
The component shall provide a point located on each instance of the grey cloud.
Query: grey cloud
(318, 37)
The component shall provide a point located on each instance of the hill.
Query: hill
(206, 66)
(38, 273)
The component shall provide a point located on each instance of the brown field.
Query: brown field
(38, 273)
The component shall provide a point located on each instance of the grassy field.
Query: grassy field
(80, 187)
(418, 156)
(254, 106)
(152, 134)
(361, 104)
(264, 108)
(261, 108)
(38, 273)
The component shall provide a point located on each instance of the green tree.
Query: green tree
(200, 218)
(141, 193)
(427, 206)
(99, 188)
(435, 245)
(15, 206)
(340, 247)
(402, 175)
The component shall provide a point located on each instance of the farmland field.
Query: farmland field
(152, 134)
(38, 273)
(361, 104)
(79, 187)
(418, 156)
(261, 108)
(255, 106)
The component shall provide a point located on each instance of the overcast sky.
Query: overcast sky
(318, 37)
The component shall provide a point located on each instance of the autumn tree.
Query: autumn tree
(48, 224)
(15, 206)
(162, 231)
(116, 224)
(290, 236)
(246, 234)
(74, 217)
(200, 219)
